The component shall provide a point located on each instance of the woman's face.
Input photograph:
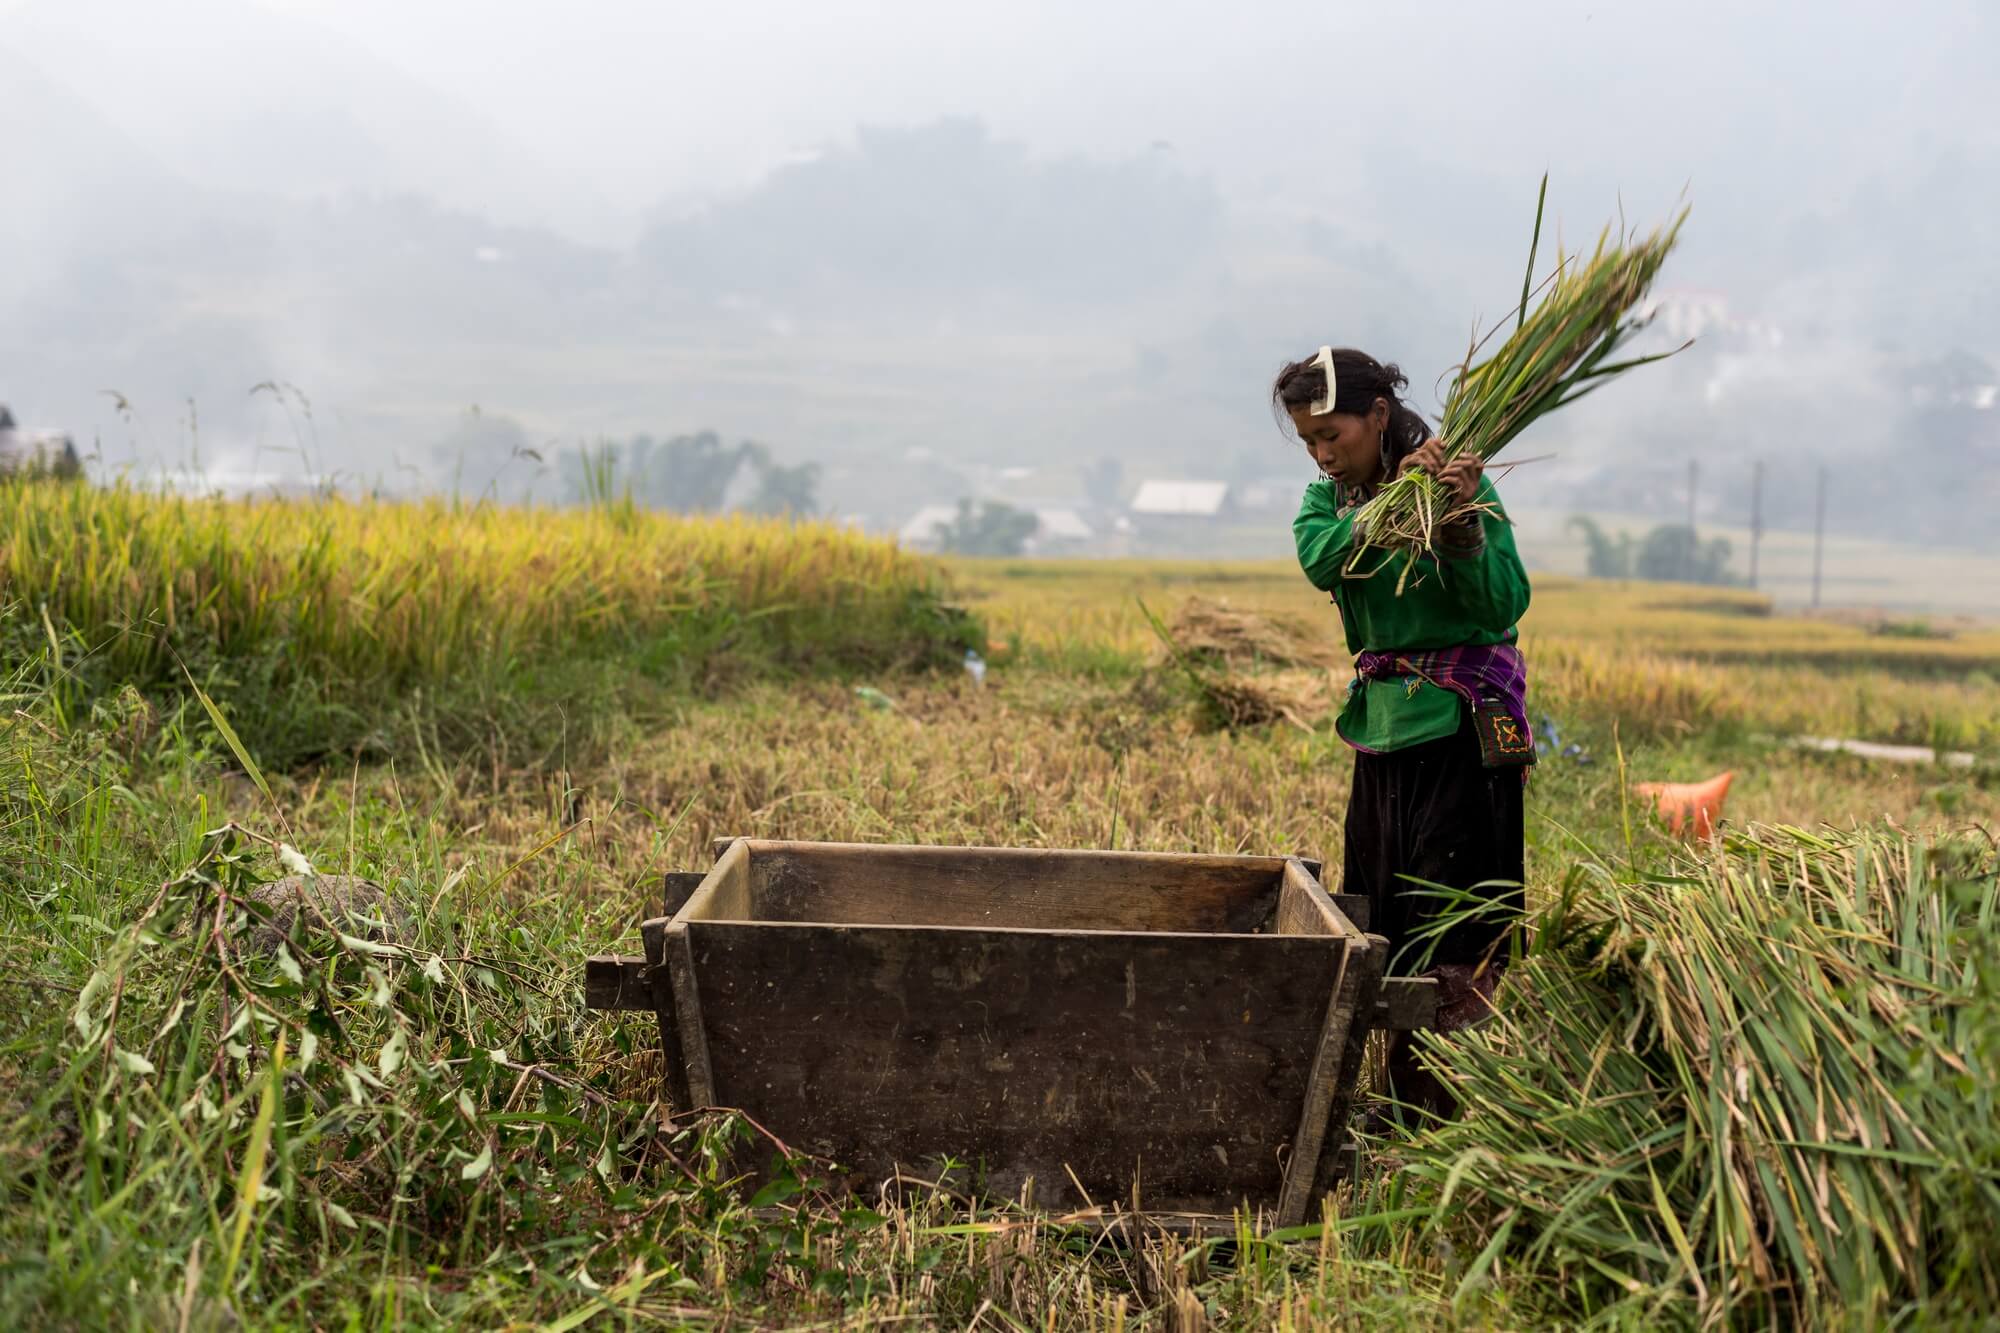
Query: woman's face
(1347, 446)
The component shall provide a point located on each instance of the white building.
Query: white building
(1060, 526)
(1181, 499)
(37, 451)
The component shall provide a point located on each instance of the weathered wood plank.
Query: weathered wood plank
(654, 933)
(1407, 1003)
(679, 886)
(611, 981)
(1323, 1091)
(1304, 908)
(1182, 1060)
(688, 1013)
(724, 893)
(1364, 983)
(1012, 888)
(1353, 906)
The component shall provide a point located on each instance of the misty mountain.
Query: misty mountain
(268, 102)
(69, 178)
(947, 214)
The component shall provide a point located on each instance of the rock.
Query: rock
(351, 903)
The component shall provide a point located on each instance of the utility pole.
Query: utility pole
(1756, 515)
(1694, 482)
(1819, 533)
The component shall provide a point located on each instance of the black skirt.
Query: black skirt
(1433, 812)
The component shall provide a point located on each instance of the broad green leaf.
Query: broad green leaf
(173, 1017)
(479, 1165)
(86, 1002)
(393, 1051)
(132, 1062)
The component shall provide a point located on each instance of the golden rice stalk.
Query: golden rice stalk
(1559, 351)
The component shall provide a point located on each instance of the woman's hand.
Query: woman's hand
(1426, 457)
(1460, 476)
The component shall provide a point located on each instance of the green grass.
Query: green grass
(468, 1146)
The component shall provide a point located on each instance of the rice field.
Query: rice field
(314, 612)
(1658, 658)
(1746, 1085)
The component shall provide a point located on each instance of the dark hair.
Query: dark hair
(1362, 379)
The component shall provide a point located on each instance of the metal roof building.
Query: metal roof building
(1181, 499)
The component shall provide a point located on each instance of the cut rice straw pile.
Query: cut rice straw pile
(1761, 1091)
(1216, 631)
(1229, 657)
(1559, 351)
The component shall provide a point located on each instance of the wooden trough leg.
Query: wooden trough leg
(613, 983)
(1401, 1004)
(654, 932)
(691, 1044)
(680, 886)
(663, 981)
(1330, 1085)
(1353, 1066)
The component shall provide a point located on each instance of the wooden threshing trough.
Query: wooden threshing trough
(1173, 1035)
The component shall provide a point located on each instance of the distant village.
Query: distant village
(49, 453)
(1160, 517)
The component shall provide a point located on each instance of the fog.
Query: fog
(945, 250)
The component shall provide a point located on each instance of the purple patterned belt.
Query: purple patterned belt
(1489, 674)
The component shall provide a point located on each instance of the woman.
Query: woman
(1437, 710)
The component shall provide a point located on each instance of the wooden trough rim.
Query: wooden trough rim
(1245, 860)
(688, 892)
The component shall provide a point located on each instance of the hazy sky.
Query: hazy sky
(200, 195)
(633, 103)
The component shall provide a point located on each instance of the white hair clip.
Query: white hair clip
(1325, 362)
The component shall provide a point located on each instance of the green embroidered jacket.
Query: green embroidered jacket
(1475, 594)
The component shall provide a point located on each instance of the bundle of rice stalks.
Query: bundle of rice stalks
(1298, 697)
(1558, 352)
(1761, 1091)
(1215, 631)
(1207, 638)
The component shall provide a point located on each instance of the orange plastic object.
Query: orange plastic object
(1691, 809)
